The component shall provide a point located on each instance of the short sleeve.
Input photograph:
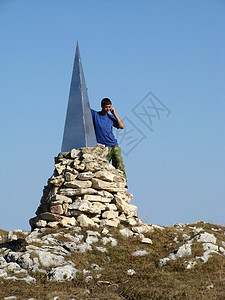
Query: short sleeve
(115, 122)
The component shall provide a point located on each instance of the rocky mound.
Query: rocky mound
(86, 190)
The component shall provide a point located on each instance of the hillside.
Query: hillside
(184, 261)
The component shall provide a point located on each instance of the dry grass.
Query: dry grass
(151, 281)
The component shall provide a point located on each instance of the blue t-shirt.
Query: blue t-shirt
(103, 128)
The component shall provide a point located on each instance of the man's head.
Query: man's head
(106, 105)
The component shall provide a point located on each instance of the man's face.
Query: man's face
(106, 108)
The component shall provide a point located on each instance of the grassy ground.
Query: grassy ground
(151, 281)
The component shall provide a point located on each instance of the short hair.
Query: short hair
(106, 101)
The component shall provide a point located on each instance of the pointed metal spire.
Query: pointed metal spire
(79, 129)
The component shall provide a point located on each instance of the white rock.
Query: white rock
(110, 206)
(186, 237)
(96, 220)
(78, 184)
(179, 225)
(105, 231)
(47, 216)
(88, 157)
(184, 250)
(74, 153)
(128, 197)
(70, 176)
(3, 262)
(126, 232)
(88, 278)
(41, 223)
(92, 198)
(176, 239)
(108, 186)
(91, 239)
(96, 267)
(222, 250)
(106, 240)
(77, 164)
(68, 221)
(210, 286)
(197, 230)
(59, 168)
(85, 176)
(92, 166)
(13, 266)
(191, 264)
(85, 221)
(104, 194)
(207, 255)
(23, 260)
(110, 214)
(111, 223)
(62, 273)
(76, 192)
(146, 241)
(53, 224)
(156, 226)
(57, 181)
(93, 233)
(140, 253)
(163, 261)
(145, 228)
(86, 206)
(105, 175)
(11, 236)
(132, 221)
(122, 217)
(61, 199)
(72, 246)
(101, 249)
(83, 248)
(85, 272)
(3, 273)
(32, 236)
(29, 279)
(48, 259)
(129, 209)
(131, 272)
(210, 246)
(206, 238)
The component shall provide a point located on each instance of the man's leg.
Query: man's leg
(117, 160)
(110, 153)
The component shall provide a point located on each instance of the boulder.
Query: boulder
(85, 221)
(63, 273)
(78, 184)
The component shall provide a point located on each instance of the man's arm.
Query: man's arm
(120, 122)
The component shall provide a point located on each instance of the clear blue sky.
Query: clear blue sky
(173, 49)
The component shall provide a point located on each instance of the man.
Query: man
(103, 123)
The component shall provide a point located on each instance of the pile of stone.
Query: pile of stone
(86, 190)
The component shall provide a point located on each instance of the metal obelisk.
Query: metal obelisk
(79, 129)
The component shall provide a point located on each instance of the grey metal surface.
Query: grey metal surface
(79, 129)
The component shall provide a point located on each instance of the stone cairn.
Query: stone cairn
(85, 190)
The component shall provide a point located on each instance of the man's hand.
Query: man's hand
(112, 110)
(120, 122)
